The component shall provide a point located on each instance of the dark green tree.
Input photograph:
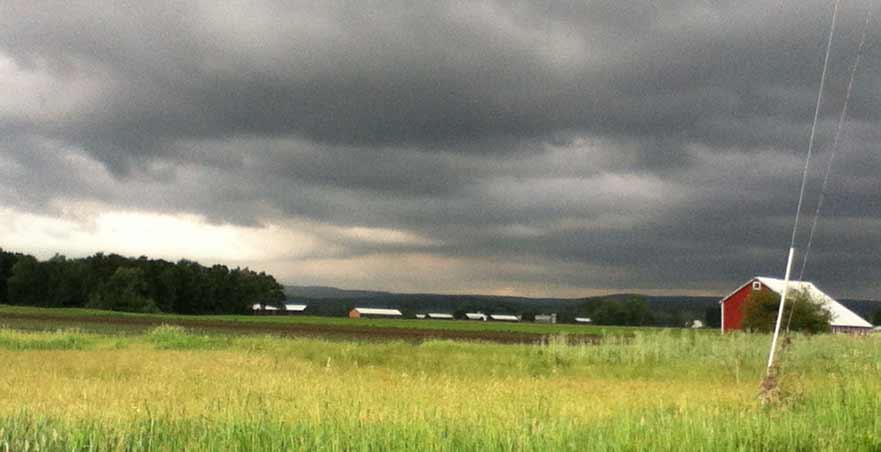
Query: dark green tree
(164, 287)
(7, 261)
(876, 318)
(808, 315)
(220, 297)
(189, 288)
(28, 283)
(126, 291)
(65, 280)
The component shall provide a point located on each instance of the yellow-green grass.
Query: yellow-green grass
(173, 390)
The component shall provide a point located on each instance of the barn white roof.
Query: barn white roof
(506, 317)
(256, 307)
(378, 311)
(438, 315)
(583, 320)
(270, 308)
(295, 307)
(841, 316)
(475, 315)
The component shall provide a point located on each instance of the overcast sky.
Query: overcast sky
(529, 148)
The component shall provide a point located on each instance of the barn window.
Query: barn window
(757, 285)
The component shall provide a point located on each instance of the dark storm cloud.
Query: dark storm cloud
(659, 141)
(399, 74)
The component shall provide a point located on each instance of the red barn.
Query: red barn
(843, 319)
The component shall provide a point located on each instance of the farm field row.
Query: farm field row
(170, 389)
(109, 321)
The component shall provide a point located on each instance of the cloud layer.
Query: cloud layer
(525, 147)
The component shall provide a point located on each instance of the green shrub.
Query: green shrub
(59, 340)
(173, 337)
(807, 314)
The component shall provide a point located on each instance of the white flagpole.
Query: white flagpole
(780, 310)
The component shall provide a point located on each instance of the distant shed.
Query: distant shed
(843, 320)
(260, 309)
(476, 316)
(440, 316)
(504, 317)
(546, 318)
(292, 309)
(373, 312)
(584, 320)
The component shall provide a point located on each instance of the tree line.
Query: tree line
(632, 310)
(114, 282)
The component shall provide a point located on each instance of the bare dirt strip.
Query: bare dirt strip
(137, 324)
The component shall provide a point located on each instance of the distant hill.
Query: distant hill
(665, 310)
(319, 292)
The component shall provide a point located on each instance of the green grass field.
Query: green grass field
(171, 389)
(35, 319)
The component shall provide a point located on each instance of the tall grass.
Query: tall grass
(58, 340)
(174, 390)
(172, 337)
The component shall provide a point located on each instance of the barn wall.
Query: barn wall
(854, 330)
(733, 308)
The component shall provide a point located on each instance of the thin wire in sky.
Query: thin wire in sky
(835, 143)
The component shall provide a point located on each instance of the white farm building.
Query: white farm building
(504, 317)
(294, 308)
(265, 309)
(374, 312)
(476, 316)
(440, 316)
